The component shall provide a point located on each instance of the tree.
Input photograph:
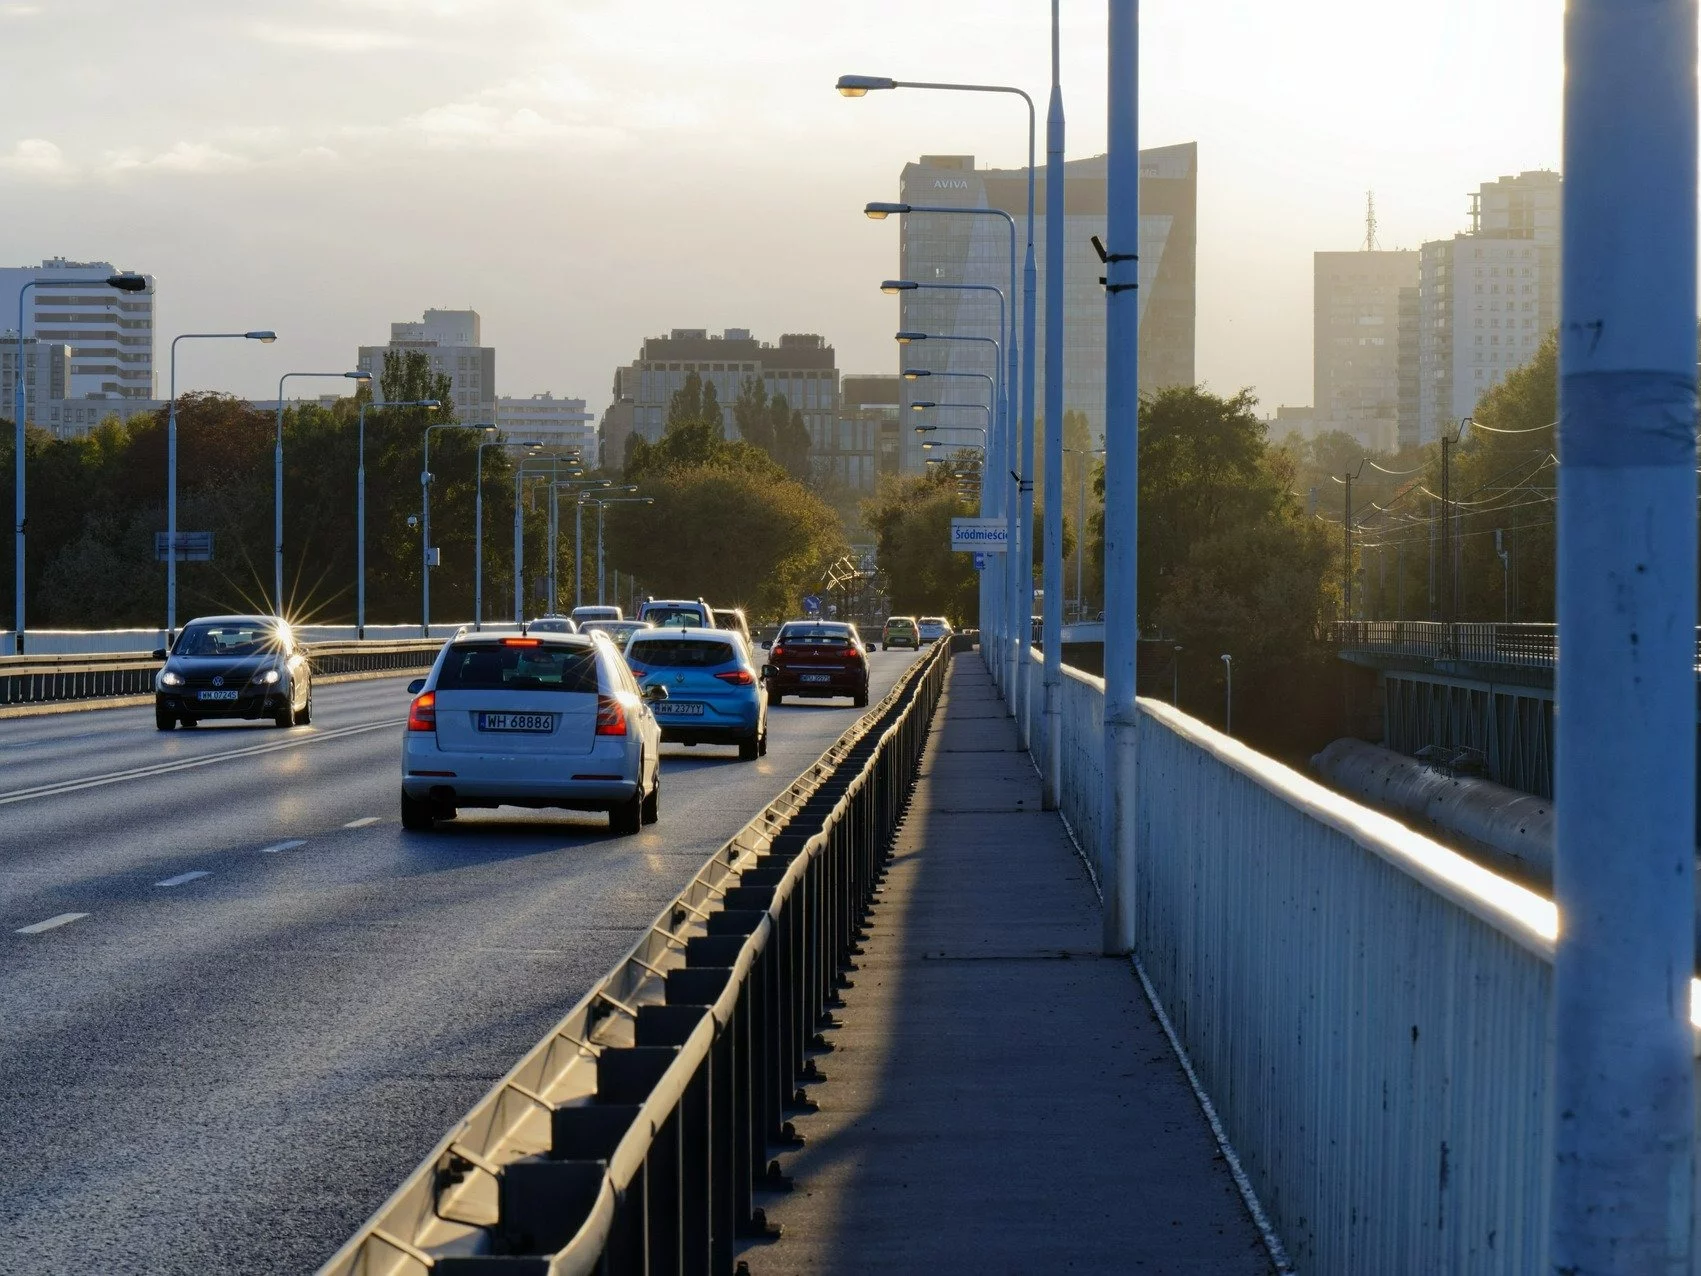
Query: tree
(791, 438)
(750, 412)
(911, 521)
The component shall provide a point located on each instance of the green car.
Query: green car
(901, 631)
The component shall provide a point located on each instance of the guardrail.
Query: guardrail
(1529, 645)
(1368, 1011)
(632, 1137)
(49, 679)
(91, 642)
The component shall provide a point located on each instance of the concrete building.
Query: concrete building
(1406, 435)
(955, 249)
(866, 444)
(619, 419)
(1486, 298)
(451, 339)
(552, 421)
(801, 367)
(1355, 346)
(111, 333)
(47, 372)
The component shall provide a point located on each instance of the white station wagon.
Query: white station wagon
(541, 720)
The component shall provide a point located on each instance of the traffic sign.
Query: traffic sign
(811, 603)
(988, 534)
(980, 561)
(192, 547)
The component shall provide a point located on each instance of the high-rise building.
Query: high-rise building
(801, 367)
(619, 418)
(47, 372)
(1407, 373)
(1486, 298)
(949, 248)
(866, 445)
(1355, 347)
(553, 422)
(111, 333)
(450, 339)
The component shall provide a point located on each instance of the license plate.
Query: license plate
(815, 677)
(678, 709)
(541, 723)
(216, 695)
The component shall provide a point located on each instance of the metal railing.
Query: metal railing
(50, 679)
(632, 1138)
(1529, 645)
(1368, 1010)
(90, 642)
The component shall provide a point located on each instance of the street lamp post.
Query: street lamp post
(171, 551)
(360, 507)
(1081, 528)
(1051, 574)
(278, 483)
(478, 524)
(124, 281)
(425, 520)
(601, 503)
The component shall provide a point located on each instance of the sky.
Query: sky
(586, 173)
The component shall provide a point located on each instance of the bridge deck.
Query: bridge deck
(1001, 1097)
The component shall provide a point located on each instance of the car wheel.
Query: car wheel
(651, 810)
(305, 714)
(416, 813)
(163, 721)
(627, 818)
(285, 716)
(191, 722)
(749, 750)
(774, 698)
(860, 700)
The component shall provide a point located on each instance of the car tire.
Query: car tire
(163, 721)
(305, 715)
(285, 717)
(627, 818)
(190, 722)
(417, 813)
(751, 749)
(763, 746)
(650, 812)
(860, 700)
(775, 698)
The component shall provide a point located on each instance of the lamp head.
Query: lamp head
(878, 211)
(860, 85)
(914, 374)
(534, 444)
(893, 286)
(358, 376)
(265, 338)
(904, 338)
(921, 405)
(127, 281)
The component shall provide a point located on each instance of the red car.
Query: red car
(817, 658)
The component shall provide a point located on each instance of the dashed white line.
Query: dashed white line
(52, 923)
(362, 822)
(282, 846)
(184, 877)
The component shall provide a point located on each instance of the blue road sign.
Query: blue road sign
(811, 604)
(980, 561)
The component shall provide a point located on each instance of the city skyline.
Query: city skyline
(568, 158)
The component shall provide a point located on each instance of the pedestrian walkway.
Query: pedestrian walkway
(1001, 1098)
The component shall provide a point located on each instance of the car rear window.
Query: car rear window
(676, 617)
(485, 667)
(900, 624)
(678, 653)
(816, 633)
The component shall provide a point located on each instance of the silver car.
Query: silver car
(541, 720)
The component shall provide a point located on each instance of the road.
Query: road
(238, 1003)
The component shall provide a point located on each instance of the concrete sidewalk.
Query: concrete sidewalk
(1001, 1098)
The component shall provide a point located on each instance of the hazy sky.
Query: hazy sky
(586, 173)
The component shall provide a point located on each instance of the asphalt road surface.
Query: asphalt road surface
(238, 1003)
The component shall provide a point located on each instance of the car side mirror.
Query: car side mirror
(416, 686)
(767, 644)
(655, 691)
(159, 653)
(767, 672)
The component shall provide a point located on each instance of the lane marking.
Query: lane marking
(282, 846)
(362, 822)
(186, 764)
(184, 877)
(52, 923)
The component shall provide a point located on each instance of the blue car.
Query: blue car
(714, 693)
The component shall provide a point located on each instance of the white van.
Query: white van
(596, 612)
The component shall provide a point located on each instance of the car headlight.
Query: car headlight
(169, 679)
(267, 676)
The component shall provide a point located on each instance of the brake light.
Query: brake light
(738, 677)
(611, 716)
(521, 642)
(777, 651)
(422, 713)
(853, 652)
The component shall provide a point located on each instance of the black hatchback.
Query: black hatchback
(234, 667)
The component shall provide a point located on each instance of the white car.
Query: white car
(543, 720)
(596, 611)
(933, 628)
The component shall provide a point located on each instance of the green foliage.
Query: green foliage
(774, 426)
(911, 521)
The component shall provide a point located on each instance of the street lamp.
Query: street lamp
(478, 525)
(600, 485)
(601, 503)
(425, 520)
(278, 481)
(125, 281)
(171, 547)
(1081, 527)
(360, 506)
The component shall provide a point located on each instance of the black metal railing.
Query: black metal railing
(634, 1136)
(1528, 645)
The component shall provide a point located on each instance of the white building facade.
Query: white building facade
(558, 423)
(450, 339)
(110, 333)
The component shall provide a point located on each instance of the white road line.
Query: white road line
(362, 822)
(185, 764)
(52, 923)
(282, 846)
(184, 877)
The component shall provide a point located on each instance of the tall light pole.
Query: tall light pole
(478, 523)
(278, 484)
(602, 485)
(125, 281)
(1081, 528)
(1624, 753)
(171, 549)
(601, 503)
(1051, 573)
(360, 506)
(425, 520)
(855, 86)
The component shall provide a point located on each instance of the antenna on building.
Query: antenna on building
(1370, 244)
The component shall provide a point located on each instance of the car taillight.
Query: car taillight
(853, 653)
(611, 716)
(422, 714)
(777, 651)
(738, 677)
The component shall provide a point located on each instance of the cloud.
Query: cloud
(331, 39)
(35, 157)
(460, 125)
(184, 157)
(20, 10)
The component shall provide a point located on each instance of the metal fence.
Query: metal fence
(1368, 1010)
(632, 1138)
(88, 642)
(1528, 645)
(48, 679)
